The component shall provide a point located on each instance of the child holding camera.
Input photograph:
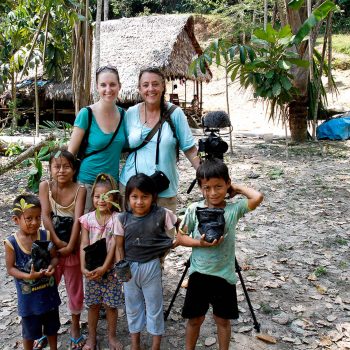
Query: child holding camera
(97, 251)
(212, 271)
(37, 293)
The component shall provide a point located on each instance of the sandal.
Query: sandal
(77, 343)
(40, 343)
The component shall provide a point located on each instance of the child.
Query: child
(38, 298)
(66, 199)
(101, 287)
(143, 232)
(212, 272)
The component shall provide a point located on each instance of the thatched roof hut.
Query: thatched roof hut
(164, 41)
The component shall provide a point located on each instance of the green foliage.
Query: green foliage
(320, 271)
(316, 16)
(36, 163)
(35, 174)
(131, 8)
(22, 206)
(56, 126)
(265, 64)
(105, 197)
(275, 173)
(14, 149)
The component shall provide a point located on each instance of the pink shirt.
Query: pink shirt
(97, 231)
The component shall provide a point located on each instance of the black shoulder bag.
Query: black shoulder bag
(160, 179)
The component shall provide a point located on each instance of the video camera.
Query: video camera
(213, 146)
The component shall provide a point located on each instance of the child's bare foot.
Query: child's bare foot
(90, 344)
(114, 344)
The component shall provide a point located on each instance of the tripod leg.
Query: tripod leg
(167, 312)
(256, 323)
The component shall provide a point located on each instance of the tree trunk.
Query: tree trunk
(81, 80)
(14, 112)
(37, 113)
(105, 9)
(298, 109)
(298, 112)
(97, 44)
(25, 155)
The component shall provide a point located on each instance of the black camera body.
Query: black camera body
(212, 146)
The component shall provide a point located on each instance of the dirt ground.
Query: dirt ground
(294, 248)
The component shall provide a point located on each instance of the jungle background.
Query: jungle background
(294, 249)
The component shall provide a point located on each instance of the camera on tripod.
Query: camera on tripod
(213, 146)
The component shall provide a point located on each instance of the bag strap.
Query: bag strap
(166, 117)
(111, 140)
(83, 143)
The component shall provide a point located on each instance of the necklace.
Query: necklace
(157, 118)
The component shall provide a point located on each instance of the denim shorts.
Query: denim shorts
(144, 298)
(34, 326)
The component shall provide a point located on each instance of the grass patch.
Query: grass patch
(340, 43)
(343, 265)
(330, 242)
(266, 309)
(320, 271)
(275, 173)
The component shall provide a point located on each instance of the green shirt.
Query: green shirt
(217, 260)
(106, 161)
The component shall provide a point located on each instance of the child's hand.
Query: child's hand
(33, 275)
(97, 273)
(86, 273)
(65, 251)
(179, 237)
(49, 271)
(204, 243)
(232, 190)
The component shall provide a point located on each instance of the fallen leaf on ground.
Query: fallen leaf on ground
(266, 338)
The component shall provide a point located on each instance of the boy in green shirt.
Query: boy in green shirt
(212, 271)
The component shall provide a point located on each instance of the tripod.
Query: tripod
(238, 271)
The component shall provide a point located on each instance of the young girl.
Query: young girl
(101, 287)
(142, 231)
(65, 198)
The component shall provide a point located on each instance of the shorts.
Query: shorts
(204, 290)
(35, 326)
(107, 291)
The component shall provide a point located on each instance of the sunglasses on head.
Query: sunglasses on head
(108, 67)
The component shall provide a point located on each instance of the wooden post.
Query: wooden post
(185, 93)
(53, 109)
(201, 99)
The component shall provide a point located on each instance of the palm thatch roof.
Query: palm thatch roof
(163, 41)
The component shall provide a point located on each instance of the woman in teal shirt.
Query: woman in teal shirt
(140, 120)
(106, 117)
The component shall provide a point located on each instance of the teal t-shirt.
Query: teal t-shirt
(146, 156)
(218, 260)
(106, 161)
